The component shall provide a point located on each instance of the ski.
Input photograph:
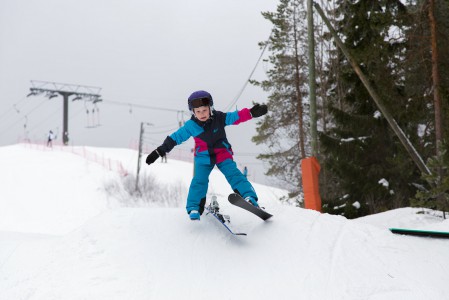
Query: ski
(425, 233)
(213, 209)
(237, 200)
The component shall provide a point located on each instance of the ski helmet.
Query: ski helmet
(200, 98)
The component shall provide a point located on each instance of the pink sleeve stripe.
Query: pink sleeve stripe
(244, 115)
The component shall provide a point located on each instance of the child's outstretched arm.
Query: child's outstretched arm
(237, 117)
(176, 138)
(161, 151)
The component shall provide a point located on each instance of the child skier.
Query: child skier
(207, 127)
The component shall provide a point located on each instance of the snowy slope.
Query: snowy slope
(61, 237)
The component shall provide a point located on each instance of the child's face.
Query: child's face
(202, 113)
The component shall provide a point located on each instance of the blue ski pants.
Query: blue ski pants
(196, 198)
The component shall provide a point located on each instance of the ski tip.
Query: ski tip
(240, 233)
(232, 195)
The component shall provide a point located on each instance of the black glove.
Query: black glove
(151, 158)
(258, 110)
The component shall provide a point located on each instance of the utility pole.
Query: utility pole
(139, 156)
(312, 82)
(53, 89)
(310, 167)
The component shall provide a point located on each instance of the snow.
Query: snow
(63, 237)
(384, 182)
(377, 114)
(422, 128)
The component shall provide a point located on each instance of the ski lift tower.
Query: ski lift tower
(54, 89)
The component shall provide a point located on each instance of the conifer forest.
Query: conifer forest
(402, 49)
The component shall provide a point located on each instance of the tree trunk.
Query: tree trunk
(436, 98)
(435, 78)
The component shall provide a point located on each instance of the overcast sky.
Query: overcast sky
(141, 52)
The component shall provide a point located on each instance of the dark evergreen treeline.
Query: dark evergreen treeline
(403, 49)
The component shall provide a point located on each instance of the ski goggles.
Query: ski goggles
(200, 102)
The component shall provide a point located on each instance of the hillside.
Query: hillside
(63, 237)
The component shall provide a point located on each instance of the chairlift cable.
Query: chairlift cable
(13, 107)
(229, 107)
(135, 105)
(20, 119)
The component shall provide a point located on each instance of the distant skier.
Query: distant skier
(245, 172)
(207, 127)
(50, 139)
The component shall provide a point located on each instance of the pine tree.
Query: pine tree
(420, 87)
(365, 169)
(437, 196)
(283, 130)
(372, 168)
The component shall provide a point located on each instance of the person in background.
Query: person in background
(207, 127)
(50, 139)
(245, 172)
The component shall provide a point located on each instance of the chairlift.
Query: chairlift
(87, 119)
(181, 120)
(52, 95)
(91, 122)
(87, 115)
(93, 118)
(98, 115)
(96, 99)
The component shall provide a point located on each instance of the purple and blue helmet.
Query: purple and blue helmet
(200, 98)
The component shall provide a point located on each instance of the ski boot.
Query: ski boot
(252, 201)
(214, 207)
(194, 215)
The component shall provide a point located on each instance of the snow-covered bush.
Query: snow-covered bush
(149, 191)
